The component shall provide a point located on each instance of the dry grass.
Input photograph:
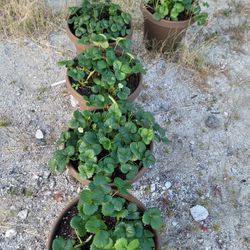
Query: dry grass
(191, 56)
(19, 18)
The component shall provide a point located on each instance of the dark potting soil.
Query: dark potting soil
(65, 230)
(132, 83)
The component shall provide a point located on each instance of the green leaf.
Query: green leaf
(87, 170)
(90, 137)
(107, 209)
(79, 225)
(101, 65)
(106, 143)
(147, 135)
(94, 225)
(148, 159)
(153, 218)
(61, 244)
(124, 154)
(138, 149)
(102, 240)
(122, 244)
(122, 185)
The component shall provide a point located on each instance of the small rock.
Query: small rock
(11, 233)
(46, 174)
(174, 223)
(199, 213)
(23, 214)
(52, 184)
(152, 187)
(212, 122)
(39, 134)
(168, 185)
(74, 102)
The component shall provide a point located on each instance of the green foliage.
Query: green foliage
(152, 217)
(114, 223)
(176, 10)
(104, 73)
(99, 23)
(104, 143)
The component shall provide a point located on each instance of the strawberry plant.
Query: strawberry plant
(114, 143)
(106, 220)
(96, 17)
(98, 73)
(177, 10)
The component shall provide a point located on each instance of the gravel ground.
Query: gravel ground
(204, 109)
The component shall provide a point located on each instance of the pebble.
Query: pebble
(174, 223)
(46, 174)
(23, 214)
(152, 187)
(199, 213)
(11, 233)
(74, 102)
(168, 185)
(212, 122)
(39, 134)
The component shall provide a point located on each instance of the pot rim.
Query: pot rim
(74, 202)
(164, 22)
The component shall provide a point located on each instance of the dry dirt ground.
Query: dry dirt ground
(200, 96)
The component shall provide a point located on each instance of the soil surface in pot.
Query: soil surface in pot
(132, 83)
(182, 16)
(65, 230)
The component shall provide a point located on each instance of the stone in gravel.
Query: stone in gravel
(74, 102)
(212, 122)
(46, 174)
(11, 233)
(23, 214)
(39, 134)
(152, 187)
(199, 213)
(168, 185)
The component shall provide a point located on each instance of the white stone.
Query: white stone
(174, 223)
(11, 233)
(168, 185)
(199, 213)
(74, 102)
(152, 187)
(39, 134)
(23, 214)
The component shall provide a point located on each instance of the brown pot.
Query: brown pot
(74, 173)
(83, 103)
(57, 223)
(82, 47)
(164, 34)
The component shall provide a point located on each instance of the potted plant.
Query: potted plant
(166, 21)
(104, 219)
(97, 73)
(116, 143)
(95, 17)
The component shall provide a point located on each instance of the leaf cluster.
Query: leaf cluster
(109, 141)
(95, 17)
(108, 221)
(104, 72)
(175, 9)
